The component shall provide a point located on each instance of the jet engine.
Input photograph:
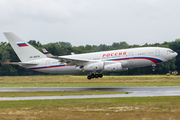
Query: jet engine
(94, 66)
(111, 66)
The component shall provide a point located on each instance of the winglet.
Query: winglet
(47, 53)
(72, 53)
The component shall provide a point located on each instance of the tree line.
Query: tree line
(7, 54)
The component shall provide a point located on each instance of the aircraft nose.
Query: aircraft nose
(175, 54)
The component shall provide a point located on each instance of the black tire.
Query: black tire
(100, 75)
(89, 77)
(92, 75)
(96, 75)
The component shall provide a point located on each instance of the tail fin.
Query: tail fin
(24, 51)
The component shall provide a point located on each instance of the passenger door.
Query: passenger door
(157, 52)
(48, 63)
(130, 61)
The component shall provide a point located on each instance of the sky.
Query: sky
(92, 22)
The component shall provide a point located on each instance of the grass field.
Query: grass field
(81, 81)
(134, 108)
(130, 108)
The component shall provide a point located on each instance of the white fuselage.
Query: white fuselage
(129, 58)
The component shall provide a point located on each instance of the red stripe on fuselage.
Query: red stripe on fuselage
(49, 67)
(155, 61)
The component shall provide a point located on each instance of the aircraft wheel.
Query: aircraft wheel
(92, 75)
(100, 75)
(96, 75)
(89, 77)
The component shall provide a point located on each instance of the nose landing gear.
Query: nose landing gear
(154, 67)
(89, 77)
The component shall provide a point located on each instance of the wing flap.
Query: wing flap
(21, 63)
(72, 61)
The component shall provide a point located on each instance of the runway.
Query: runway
(135, 92)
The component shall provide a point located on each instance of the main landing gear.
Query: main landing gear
(89, 77)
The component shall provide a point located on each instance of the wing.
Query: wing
(21, 63)
(72, 61)
(63, 59)
(72, 53)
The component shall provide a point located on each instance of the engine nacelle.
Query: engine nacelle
(94, 66)
(113, 67)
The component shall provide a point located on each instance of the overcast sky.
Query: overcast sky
(93, 22)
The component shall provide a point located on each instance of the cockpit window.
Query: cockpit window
(170, 51)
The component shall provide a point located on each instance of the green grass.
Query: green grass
(133, 108)
(81, 81)
(110, 84)
(92, 101)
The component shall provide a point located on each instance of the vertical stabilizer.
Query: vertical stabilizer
(24, 51)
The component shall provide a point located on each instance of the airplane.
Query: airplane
(94, 63)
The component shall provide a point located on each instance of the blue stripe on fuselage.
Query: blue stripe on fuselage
(155, 60)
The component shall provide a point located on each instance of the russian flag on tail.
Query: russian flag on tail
(22, 44)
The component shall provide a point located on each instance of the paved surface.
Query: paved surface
(136, 92)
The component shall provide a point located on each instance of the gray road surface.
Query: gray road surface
(136, 92)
